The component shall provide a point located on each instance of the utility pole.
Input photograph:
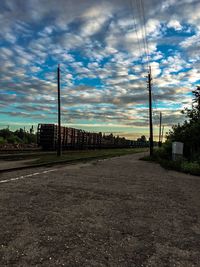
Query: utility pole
(59, 114)
(24, 134)
(160, 140)
(150, 113)
(162, 133)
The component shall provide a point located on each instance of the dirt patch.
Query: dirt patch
(114, 212)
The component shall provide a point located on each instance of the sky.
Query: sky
(104, 49)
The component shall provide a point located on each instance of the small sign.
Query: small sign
(177, 150)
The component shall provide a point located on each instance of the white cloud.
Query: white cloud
(153, 27)
(191, 41)
(95, 17)
(70, 37)
(175, 24)
(155, 68)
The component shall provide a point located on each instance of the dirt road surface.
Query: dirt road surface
(114, 212)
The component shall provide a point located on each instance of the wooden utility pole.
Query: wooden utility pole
(24, 134)
(150, 114)
(160, 139)
(162, 133)
(59, 115)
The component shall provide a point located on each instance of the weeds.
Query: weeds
(183, 165)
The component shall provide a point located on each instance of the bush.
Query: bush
(188, 132)
(17, 137)
(164, 152)
(167, 146)
(191, 167)
(170, 165)
(31, 138)
(182, 166)
(163, 157)
(2, 141)
(5, 133)
(14, 140)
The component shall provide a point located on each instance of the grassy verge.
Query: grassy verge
(23, 155)
(180, 165)
(84, 155)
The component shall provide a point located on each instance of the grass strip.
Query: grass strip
(179, 165)
(69, 156)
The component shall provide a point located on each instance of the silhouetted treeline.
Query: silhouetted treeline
(19, 136)
(189, 132)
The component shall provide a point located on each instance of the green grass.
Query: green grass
(83, 155)
(191, 167)
(22, 155)
(2, 141)
(179, 165)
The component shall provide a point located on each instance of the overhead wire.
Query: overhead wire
(153, 92)
(147, 50)
(144, 42)
(143, 31)
(139, 38)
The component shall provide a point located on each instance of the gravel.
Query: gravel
(113, 212)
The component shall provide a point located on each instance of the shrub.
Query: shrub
(191, 167)
(2, 141)
(164, 159)
(188, 132)
(14, 140)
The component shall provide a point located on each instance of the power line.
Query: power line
(135, 28)
(59, 114)
(140, 22)
(141, 13)
(145, 30)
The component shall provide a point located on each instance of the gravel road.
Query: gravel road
(113, 212)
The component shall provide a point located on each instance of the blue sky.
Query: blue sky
(99, 45)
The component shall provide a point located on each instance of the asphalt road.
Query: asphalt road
(115, 212)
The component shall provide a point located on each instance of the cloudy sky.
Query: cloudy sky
(102, 52)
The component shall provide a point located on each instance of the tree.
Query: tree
(188, 133)
(194, 114)
(142, 139)
(20, 133)
(32, 130)
(5, 133)
(17, 137)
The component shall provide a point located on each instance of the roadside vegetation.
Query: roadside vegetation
(84, 155)
(43, 158)
(187, 133)
(17, 137)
